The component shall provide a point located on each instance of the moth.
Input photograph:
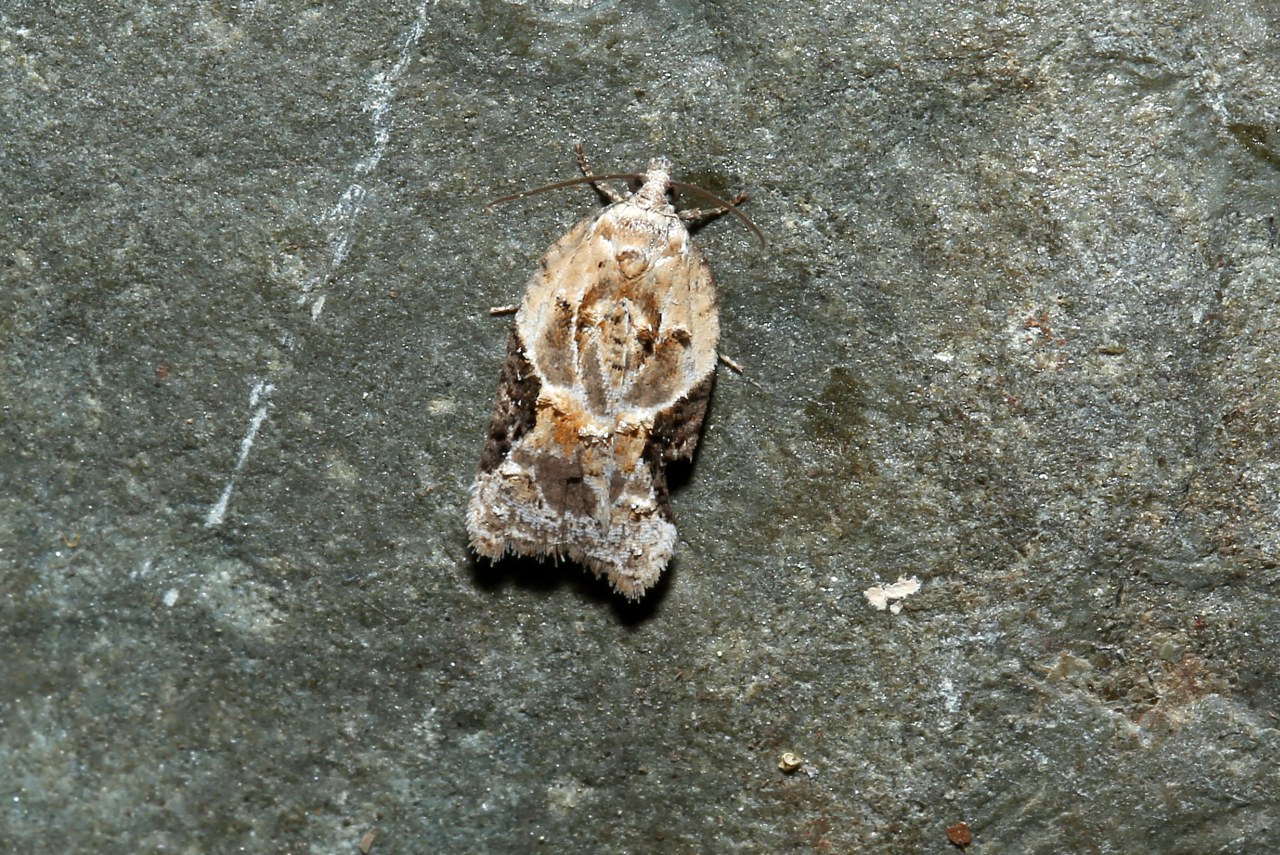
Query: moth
(609, 369)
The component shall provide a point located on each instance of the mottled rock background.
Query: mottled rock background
(1014, 334)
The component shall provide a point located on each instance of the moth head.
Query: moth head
(659, 170)
(656, 188)
(659, 164)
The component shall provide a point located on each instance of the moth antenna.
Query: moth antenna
(728, 206)
(586, 179)
(635, 176)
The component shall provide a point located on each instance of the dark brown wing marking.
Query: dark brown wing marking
(674, 437)
(516, 410)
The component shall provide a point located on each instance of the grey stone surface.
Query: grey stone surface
(1014, 335)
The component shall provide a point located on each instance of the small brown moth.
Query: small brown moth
(609, 369)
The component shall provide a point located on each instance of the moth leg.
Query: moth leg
(603, 189)
(694, 214)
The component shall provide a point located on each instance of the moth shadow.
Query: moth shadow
(546, 576)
